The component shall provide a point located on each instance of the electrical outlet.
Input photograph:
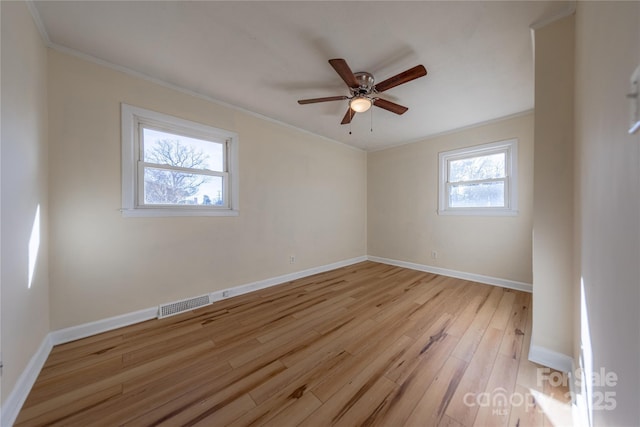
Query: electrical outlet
(434, 255)
(292, 259)
(225, 294)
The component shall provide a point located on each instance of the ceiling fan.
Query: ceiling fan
(363, 90)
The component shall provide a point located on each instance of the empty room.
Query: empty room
(305, 213)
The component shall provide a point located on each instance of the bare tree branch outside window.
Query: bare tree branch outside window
(173, 187)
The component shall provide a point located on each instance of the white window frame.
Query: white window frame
(133, 119)
(510, 148)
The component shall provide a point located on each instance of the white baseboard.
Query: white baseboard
(15, 400)
(261, 284)
(550, 358)
(495, 281)
(73, 333)
(11, 407)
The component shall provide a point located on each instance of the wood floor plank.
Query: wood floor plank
(475, 377)
(495, 410)
(367, 406)
(142, 395)
(304, 372)
(447, 421)
(333, 341)
(60, 415)
(465, 316)
(450, 298)
(474, 333)
(285, 389)
(503, 312)
(351, 389)
(514, 334)
(433, 404)
(69, 397)
(528, 374)
(311, 321)
(413, 386)
(231, 411)
(278, 347)
(526, 413)
(421, 348)
(368, 344)
(201, 403)
(294, 414)
(86, 375)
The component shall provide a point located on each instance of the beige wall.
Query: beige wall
(299, 195)
(608, 207)
(322, 202)
(25, 306)
(553, 188)
(403, 223)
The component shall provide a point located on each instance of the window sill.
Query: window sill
(167, 212)
(479, 212)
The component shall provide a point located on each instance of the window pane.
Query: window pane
(164, 187)
(487, 194)
(176, 150)
(477, 168)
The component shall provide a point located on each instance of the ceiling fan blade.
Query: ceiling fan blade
(328, 98)
(341, 67)
(390, 106)
(404, 77)
(348, 116)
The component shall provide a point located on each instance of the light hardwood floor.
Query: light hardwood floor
(368, 344)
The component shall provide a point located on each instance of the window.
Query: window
(480, 180)
(174, 167)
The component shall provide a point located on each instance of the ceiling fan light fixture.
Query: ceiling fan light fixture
(360, 104)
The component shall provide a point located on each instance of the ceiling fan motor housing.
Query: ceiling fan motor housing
(365, 82)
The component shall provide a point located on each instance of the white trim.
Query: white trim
(457, 130)
(95, 60)
(167, 212)
(510, 149)
(570, 10)
(90, 58)
(550, 358)
(478, 212)
(73, 333)
(145, 77)
(131, 118)
(261, 284)
(12, 405)
(37, 20)
(488, 280)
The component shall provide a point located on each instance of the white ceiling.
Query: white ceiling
(263, 56)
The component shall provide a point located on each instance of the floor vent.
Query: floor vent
(178, 307)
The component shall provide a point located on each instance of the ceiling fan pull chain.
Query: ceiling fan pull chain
(371, 120)
(350, 119)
